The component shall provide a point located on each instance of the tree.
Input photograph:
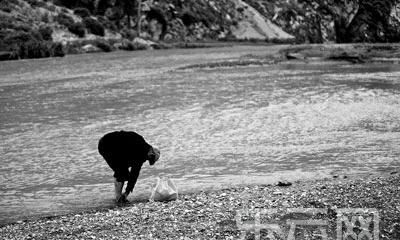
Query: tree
(341, 12)
(377, 18)
(128, 8)
(356, 20)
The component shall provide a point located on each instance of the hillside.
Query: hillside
(43, 28)
(340, 21)
(39, 28)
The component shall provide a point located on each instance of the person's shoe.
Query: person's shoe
(122, 199)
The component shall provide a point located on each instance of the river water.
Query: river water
(216, 127)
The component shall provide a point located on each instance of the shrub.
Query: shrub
(64, 3)
(94, 26)
(64, 10)
(39, 49)
(107, 23)
(281, 41)
(17, 38)
(64, 19)
(129, 34)
(78, 29)
(74, 47)
(35, 3)
(30, 44)
(71, 4)
(6, 9)
(36, 35)
(9, 22)
(105, 46)
(3, 46)
(46, 32)
(45, 18)
(40, 4)
(188, 19)
(58, 50)
(22, 27)
(126, 45)
(3, 34)
(51, 7)
(7, 56)
(34, 49)
(11, 2)
(82, 12)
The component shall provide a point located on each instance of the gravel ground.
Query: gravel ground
(214, 215)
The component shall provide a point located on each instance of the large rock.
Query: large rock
(136, 44)
(147, 44)
(89, 48)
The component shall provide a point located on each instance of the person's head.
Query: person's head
(153, 155)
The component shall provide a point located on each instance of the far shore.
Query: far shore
(355, 53)
(214, 214)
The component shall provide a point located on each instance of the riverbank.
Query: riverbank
(213, 215)
(353, 53)
(377, 53)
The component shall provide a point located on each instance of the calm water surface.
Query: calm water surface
(216, 127)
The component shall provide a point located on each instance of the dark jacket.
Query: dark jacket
(123, 150)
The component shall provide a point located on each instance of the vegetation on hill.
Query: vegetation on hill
(343, 21)
(57, 27)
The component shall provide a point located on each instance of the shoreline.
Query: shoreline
(105, 201)
(145, 45)
(356, 53)
(212, 214)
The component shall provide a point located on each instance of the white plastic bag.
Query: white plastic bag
(165, 190)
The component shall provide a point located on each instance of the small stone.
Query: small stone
(298, 56)
(284, 184)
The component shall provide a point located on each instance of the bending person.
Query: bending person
(125, 153)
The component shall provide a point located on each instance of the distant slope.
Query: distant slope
(253, 25)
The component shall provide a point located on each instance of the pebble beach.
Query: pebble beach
(232, 213)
